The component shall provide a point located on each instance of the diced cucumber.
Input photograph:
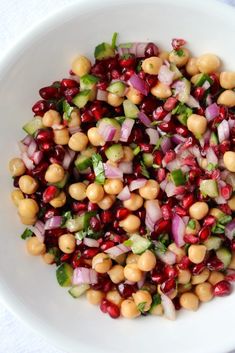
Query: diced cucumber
(224, 255)
(139, 244)
(209, 188)
(182, 119)
(130, 109)
(81, 99)
(185, 93)
(82, 162)
(64, 275)
(148, 159)
(63, 182)
(117, 88)
(177, 72)
(213, 243)
(113, 122)
(104, 51)
(213, 139)
(75, 224)
(88, 82)
(178, 177)
(115, 152)
(33, 125)
(201, 79)
(77, 291)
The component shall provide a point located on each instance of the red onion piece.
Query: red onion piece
(144, 119)
(32, 148)
(163, 184)
(211, 112)
(124, 194)
(175, 164)
(178, 230)
(166, 144)
(167, 257)
(107, 131)
(112, 172)
(67, 160)
(185, 219)
(167, 118)
(206, 85)
(231, 123)
(170, 189)
(102, 95)
(126, 129)
(165, 75)
(22, 147)
(223, 131)
(153, 136)
(141, 282)
(153, 211)
(211, 156)
(84, 275)
(37, 157)
(91, 243)
(138, 183)
(39, 231)
(27, 140)
(140, 49)
(126, 167)
(27, 161)
(177, 139)
(230, 230)
(117, 250)
(192, 102)
(53, 222)
(139, 84)
(74, 129)
(149, 224)
(168, 307)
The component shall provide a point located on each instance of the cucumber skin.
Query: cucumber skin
(114, 152)
(77, 291)
(64, 275)
(225, 256)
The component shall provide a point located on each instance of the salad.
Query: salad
(126, 179)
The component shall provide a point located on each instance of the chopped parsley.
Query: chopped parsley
(219, 227)
(211, 167)
(26, 234)
(114, 40)
(141, 307)
(225, 219)
(144, 170)
(56, 253)
(156, 300)
(98, 168)
(128, 242)
(178, 177)
(179, 52)
(67, 109)
(192, 224)
(66, 216)
(183, 111)
(139, 66)
(160, 246)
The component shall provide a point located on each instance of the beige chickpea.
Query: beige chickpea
(216, 212)
(101, 263)
(227, 79)
(130, 224)
(132, 273)
(150, 190)
(81, 66)
(134, 95)
(35, 247)
(67, 243)
(61, 136)
(161, 91)
(157, 310)
(113, 186)
(201, 277)
(179, 252)
(28, 185)
(114, 297)
(208, 63)
(229, 160)
(134, 202)
(77, 191)
(59, 201)
(191, 67)
(114, 100)
(184, 276)
(189, 301)
(94, 137)
(183, 288)
(48, 258)
(116, 274)
(16, 196)
(164, 55)
(147, 261)
(197, 253)
(152, 65)
(129, 310)
(232, 263)
(204, 291)
(197, 124)
(179, 60)
(16, 167)
(144, 298)
(227, 98)
(106, 202)
(128, 154)
(75, 118)
(189, 230)
(29, 221)
(28, 208)
(198, 210)
(132, 258)
(94, 296)
(95, 192)
(50, 118)
(78, 141)
(55, 173)
(215, 277)
(231, 203)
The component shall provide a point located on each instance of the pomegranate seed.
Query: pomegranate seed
(177, 43)
(194, 174)
(69, 93)
(142, 230)
(87, 117)
(107, 245)
(145, 147)
(162, 226)
(97, 110)
(51, 212)
(233, 245)
(142, 75)
(136, 135)
(95, 224)
(168, 285)
(169, 156)
(170, 271)
(50, 193)
(189, 143)
(106, 217)
(197, 269)
(113, 311)
(215, 264)
(102, 85)
(141, 214)
(90, 177)
(166, 212)
(184, 263)
(167, 126)
(127, 61)
(68, 83)
(222, 288)
(215, 85)
(157, 277)
(49, 92)
(149, 104)
(170, 104)
(92, 206)
(182, 130)
(230, 277)
(151, 50)
(190, 239)
(104, 305)
(180, 211)
(55, 232)
(57, 154)
(204, 233)
(126, 290)
(44, 135)
(115, 74)
(225, 208)
(226, 191)
(40, 107)
(122, 213)
(224, 146)
(176, 303)
(151, 80)
(198, 93)
(158, 157)
(159, 113)
(65, 257)
(209, 221)
(187, 201)
(90, 253)
(161, 174)
(79, 207)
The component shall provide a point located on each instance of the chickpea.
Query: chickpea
(130, 224)
(208, 63)
(147, 261)
(157, 310)
(184, 276)
(198, 210)
(81, 66)
(132, 258)
(28, 208)
(164, 55)
(101, 263)
(202, 277)
(231, 203)
(78, 141)
(183, 288)
(215, 277)
(134, 202)
(55, 173)
(232, 263)
(132, 273)
(59, 201)
(16, 167)
(116, 274)
(35, 247)
(28, 185)
(143, 296)
(129, 309)
(128, 154)
(28, 221)
(94, 296)
(114, 297)
(179, 252)
(227, 79)
(77, 191)
(179, 60)
(196, 253)
(150, 190)
(95, 192)
(50, 118)
(227, 98)
(106, 202)
(61, 136)
(67, 243)
(152, 65)
(195, 78)
(229, 160)
(48, 258)
(216, 212)
(161, 91)
(189, 301)
(16, 196)
(204, 291)
(114, 100)
(94, 137)
(121, 259)
(113, 186)
(197, 124)
(191, 67)
(196, 229)
(75, 118)
(134, 95)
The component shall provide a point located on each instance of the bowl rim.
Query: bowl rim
(23, 42)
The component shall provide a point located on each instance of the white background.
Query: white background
(17, 16)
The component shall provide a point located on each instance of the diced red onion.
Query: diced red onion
(126, 167)
(78, 242)
(167, 257)
(32, 148)
(205, 138)
(211, 112)
(144, 119)
(178, 230)
(137, 183)
(84, 275)
(165, 75)
(206, 85)
(153, 210)
(166, 144)
(91, 243)
(192, 102)
(225, 174)
(175, 164)
(22, 147)
(230, 179)
(102, 95)
(177, 139)
(153, 136)
(112, 172)
(223, 131)
(231, 123)
(126, 129)
(230, 230)
(211, 156)
(167, 118)
(67, 160)
(27, 161)
(74, 129)
(117, 250)
(170, 189)
(140, 49)
(185, 219)
(107, 131)
(37, 157)
(139, 84)
(195, 151)
(53, 222)
(185, 168)
(141, 282)
(27, 140)
(124, 194)
(129, 282)
(39, 231)
(168, 307)
(208, 100)
(149, 224)
(163, 184)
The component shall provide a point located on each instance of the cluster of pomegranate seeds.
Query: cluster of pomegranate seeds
(126, 178)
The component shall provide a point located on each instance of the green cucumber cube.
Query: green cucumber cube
(33, 126)
(213, 243)
(209, 187)
(115, 152)
(104, 51)
(148, 159)
(130, 109)
(64, 275)
(77, 291)
(139, 244)
(81, 99)
(225, 256)
(117, 88)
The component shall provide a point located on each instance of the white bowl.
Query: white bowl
(28, 286)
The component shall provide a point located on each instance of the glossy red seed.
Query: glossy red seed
(40, 107)
(65, 257)
(166, 212)
(49, 92)
(126, 290)
(161, 174)
(141, 213)
(222, 288)
(79, 206)
(209, 221)
(113, 311)
(92, 206)
(95, 224)
(104, 305)
(169, 156)
(182, 130)
(90, 176)
(224, 146)
(170, 271)
(157, 277)
(198, 93)
(188, 143)
(57, 154)
(158, 157)
(40, 169)
(167, 126)
(106, 217)
(226, 191)
(168, 285)
(215, 87)
(230, 277)
(50, 193)
(180, 211)
(197, 269)
(87, 117)
(68, 83)
(69, 93)
(151, 80)
(149, 104)
(226, 209)
(107, 245)
(187, 201)
(177, 43)
(233, 245)
(159, 113)
(215, 264)
(51, 212)
(191, 239)
(90, 253)
(122, 213)
(170, 104)
(136, 136)
(151, 50)
(223, 112)
(127, 61)
(142, 230)
(162, 226)
(76, 259)
(204, 233)
(44, 136)
(184, 263)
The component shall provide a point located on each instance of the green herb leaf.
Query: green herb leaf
(179, 52)
(139, 66)
(225, 219)
(126, 56)
(136, 150)
(66, 216)
(144, 170)
(87, 217)
(120, 119)
(80, 235)
(211, 167)
(114, 40)
(156, 300)
(191, 224)
(182, 110)
(161, 247)
(128, 242)
(56, 252)
(178, 177)
(92, 234)
(67, 109)
(141, 306)
(26, 234)
(98, 168)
